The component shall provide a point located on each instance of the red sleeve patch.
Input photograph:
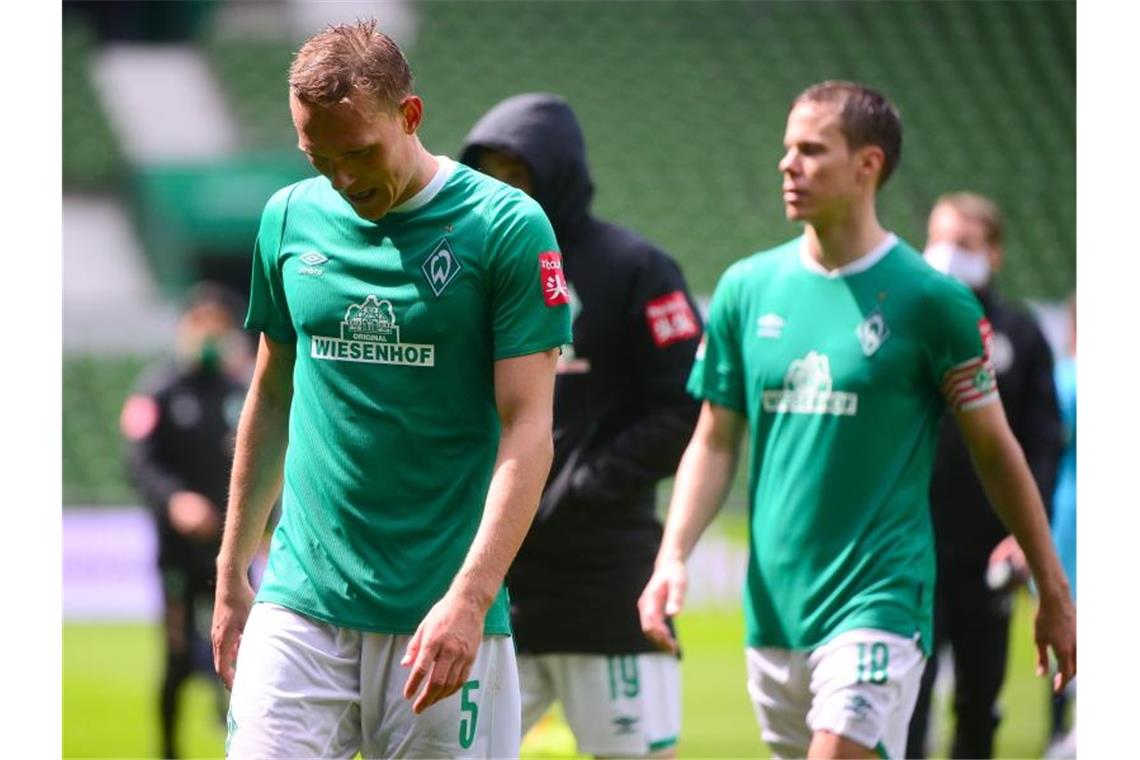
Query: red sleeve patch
(553, 279)
(671, 320)
(139, 417)
(987, 333)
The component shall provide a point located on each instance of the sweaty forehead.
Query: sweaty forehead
(336, 128)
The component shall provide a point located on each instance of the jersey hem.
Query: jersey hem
(755, 641)
(392, 630)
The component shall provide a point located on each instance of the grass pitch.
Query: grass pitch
(112, 673)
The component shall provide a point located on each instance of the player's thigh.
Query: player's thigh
(620, 705)
(296, 688)
(535, 687)
(864, 685)
(481, 720)
(779, 685)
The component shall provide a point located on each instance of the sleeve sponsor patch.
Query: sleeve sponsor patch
(973, 383)
(671, 320)
(553, 279)
(139, 417)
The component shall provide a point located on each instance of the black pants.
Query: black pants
(974, 621)
(188, 600)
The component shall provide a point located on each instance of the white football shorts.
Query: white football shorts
(862, 684)
(616, 705)
(304, 688)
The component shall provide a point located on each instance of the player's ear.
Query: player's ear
(411, 113)
(869, 163)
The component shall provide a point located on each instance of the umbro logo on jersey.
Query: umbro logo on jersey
(873, 332)
(312, 258)
(770, 326)
(441, 267)
(312, 261)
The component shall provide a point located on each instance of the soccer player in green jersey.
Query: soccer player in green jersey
(838, 352)
(410, 311)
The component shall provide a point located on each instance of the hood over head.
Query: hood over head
(541, 130)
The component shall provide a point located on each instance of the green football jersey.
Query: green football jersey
(393, 429)
(843, 378)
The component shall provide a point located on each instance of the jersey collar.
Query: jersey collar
(430, 190)
(861, 264)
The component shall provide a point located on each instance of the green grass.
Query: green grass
(111, 673)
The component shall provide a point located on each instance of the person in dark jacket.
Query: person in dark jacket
(621, 421)
(972, 599)
(179, 425)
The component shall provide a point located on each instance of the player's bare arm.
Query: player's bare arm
(255, 483)
(1010, 487)
(703, 479)
(444, 646)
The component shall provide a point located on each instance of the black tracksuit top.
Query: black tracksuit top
(622, 417)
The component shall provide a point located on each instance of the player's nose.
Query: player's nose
(341, 180)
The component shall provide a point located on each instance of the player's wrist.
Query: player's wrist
(669, 555)
(469, 592)
(231, 573)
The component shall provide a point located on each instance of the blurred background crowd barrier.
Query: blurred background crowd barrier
(176, 130)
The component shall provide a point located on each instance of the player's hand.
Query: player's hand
(1056, 628)
(663, 595)
(1008, 550)
(193, 515)
(232, 602)
(443, 650)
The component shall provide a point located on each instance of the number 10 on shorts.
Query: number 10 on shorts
(873, 661)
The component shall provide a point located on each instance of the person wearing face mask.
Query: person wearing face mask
(179, 425)
(976, 555)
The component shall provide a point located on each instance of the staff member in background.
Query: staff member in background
(179, 425)
(964, 240)
(621, 420)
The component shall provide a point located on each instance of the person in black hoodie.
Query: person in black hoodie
(972, 600)
(179, 425)
(622, 419)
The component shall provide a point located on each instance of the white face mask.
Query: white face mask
(970, 267)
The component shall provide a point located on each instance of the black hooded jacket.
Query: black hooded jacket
(622, 417)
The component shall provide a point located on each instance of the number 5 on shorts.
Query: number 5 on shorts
(467, 724)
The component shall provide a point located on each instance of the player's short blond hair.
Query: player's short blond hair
(978, 208)
(345, 58)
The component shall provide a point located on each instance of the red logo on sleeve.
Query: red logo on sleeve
(671, 320)
(553, 279)
(987, 334)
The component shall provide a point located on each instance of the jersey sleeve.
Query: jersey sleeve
(959, 346)
(530, 299)
(718, 372)
(268, 308)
